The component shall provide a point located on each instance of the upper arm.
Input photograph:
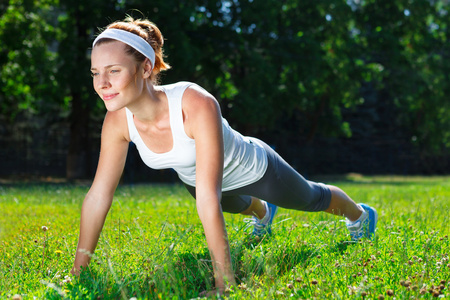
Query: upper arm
(113, 153)
(205, 126)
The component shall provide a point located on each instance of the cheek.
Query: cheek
(129, 82)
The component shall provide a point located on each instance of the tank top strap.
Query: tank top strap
(174, 95)
(132, 130)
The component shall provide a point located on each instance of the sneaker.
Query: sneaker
(264, 225)
(365, 226)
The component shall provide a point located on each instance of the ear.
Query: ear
(147, 68)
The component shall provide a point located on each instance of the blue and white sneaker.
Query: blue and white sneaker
(264, 225)
(365, 226)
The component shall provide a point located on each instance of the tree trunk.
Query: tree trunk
(78, 156)
(78, 159)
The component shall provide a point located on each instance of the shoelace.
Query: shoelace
(360, 230)
(257, 225)
(356, 226)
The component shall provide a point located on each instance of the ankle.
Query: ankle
(262, 212)
(265, 214)
(260, 209)
(356, 215)
(361, 217)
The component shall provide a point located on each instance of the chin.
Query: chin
(113, 108)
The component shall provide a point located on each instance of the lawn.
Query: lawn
(153, 247)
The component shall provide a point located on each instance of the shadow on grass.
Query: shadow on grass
(277, 260)
(194, 270)
(182, 276)
(341, 246)
(185, 275)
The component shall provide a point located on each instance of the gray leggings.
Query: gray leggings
(281, 185)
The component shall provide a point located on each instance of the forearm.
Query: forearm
(216, 237)
(93, 215)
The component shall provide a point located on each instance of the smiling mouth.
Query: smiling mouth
(109, 96)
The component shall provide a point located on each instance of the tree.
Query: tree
(77, 25)
(27, 63)
(285, 69)
(408, 42)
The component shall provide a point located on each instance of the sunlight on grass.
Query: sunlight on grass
(153, 247)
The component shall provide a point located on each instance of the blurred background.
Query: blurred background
(334, 86)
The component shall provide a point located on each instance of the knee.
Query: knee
(320, 198)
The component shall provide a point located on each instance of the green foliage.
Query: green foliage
(27, 80)
(286, 68)
(77, 26)
(153, 247)
(273, 60)
(407, 41)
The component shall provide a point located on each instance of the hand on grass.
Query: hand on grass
(75, 272)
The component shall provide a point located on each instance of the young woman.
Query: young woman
(180, 126)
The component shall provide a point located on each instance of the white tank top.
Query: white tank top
(245, 160)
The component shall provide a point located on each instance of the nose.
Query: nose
(102, 81)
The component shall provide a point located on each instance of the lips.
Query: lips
(107, 97)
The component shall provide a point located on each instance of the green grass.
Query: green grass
(153, 247)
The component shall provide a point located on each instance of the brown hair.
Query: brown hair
(150, 33)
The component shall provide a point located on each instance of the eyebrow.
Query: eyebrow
(106, 67)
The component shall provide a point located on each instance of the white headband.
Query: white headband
(130, 39)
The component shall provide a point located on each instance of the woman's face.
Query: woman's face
(114, 75)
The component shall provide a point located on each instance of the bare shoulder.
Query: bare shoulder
(197, 99)
(200, 109)
(115, 125)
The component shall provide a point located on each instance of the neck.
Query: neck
(149, 107)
